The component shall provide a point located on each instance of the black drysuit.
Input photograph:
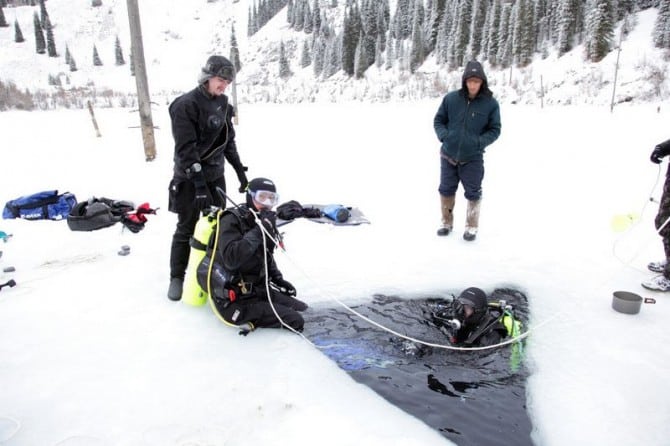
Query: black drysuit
(241, 253)
(203, 133)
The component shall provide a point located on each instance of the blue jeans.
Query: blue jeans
(470, 174)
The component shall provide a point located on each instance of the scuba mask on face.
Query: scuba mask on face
(449, 316)
(458, 310)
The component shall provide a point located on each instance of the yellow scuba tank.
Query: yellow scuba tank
(193, 294)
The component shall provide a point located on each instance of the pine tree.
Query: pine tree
(462, 32)
(96, 3)
(334, 62)
(305, 59)
(661, 33)
(379, 51)
(316, 17)
(299, 15)
(626, 7)
(96, 57)
(390, 56)
(318, 55)
(567, 26)
(290, 13)
(504, 56)
(523, 38)
(284, 68)
(40, 44)
(417, 51)
(118, 53)
(68, 56)
(450, 35)
(250, 23)
(18, 35)
(44, 16)
(600, 30)
(433, 24)
(72, 64)
(401, 55)
(382, 25)
(308, 21)
(493, 38)
(234, 50)
(402, 20)
(51, 43)
(484, 37)
(360, 59)
(541, 14)
(132, 63)
(3, 21)
(441, 43)
(479, 16)
(370, 31)
(350, 37)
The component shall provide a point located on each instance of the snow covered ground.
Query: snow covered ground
(94, 353)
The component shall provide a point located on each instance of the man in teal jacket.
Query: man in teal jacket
(467, 121)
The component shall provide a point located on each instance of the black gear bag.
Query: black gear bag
(97, 213)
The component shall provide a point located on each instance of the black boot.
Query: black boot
(175, 289)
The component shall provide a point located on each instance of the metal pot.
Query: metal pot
(629, 303)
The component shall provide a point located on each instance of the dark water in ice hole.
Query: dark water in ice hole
(472, 398)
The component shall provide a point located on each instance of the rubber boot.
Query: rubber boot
(447, 206)
(175, 289)
(472, 220)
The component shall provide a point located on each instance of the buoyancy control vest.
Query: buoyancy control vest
(498, 319)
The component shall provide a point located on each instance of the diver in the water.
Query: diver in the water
(470, 320)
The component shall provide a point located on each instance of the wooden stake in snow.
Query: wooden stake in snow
(137, 53)
(95, 123)
(616, 66)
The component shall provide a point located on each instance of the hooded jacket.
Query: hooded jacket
(203, 131)
(465, 126)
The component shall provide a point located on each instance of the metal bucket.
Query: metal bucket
(629, 303)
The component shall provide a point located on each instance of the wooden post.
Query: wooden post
(137, 53)
(616, 66)
(95, 123)
(236, 120)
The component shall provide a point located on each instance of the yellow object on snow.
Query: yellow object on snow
(622, 222)
(193, 294)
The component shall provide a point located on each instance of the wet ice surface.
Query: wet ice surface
(472, 398)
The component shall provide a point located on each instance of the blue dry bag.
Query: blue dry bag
(336, 212)
(40, 206)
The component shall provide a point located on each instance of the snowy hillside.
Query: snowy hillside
(178, 37)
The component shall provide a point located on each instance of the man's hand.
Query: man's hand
(203, 199)
(657, 155)
(242, 177)
(285, 287)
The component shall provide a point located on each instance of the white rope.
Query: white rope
(409, 338)
(264, 232)
(644, 245)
